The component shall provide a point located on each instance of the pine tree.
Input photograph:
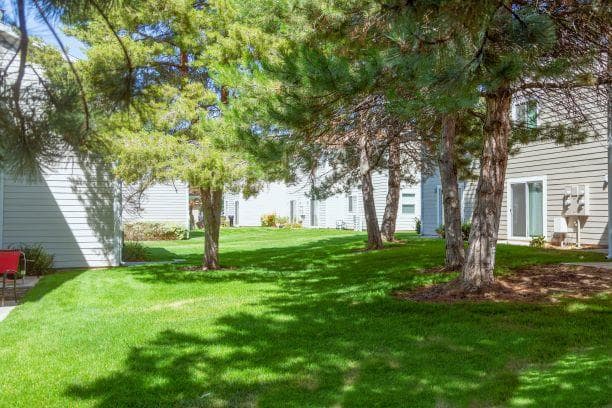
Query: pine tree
(40, 118)
(498, 50)
(169, 116)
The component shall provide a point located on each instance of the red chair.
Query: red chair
(10, 268)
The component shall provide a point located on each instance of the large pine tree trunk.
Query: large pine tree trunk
(478, 269)
(455, 253)
(367, 192)
(393, 192)
(211, 206)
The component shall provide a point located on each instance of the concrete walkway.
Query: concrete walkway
(600, 265)
(23, 286)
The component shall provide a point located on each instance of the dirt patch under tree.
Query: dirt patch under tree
(539, 283)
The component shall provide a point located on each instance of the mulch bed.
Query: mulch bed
(540, 283)
(199, 268)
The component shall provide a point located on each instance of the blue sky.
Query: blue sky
(38, 28)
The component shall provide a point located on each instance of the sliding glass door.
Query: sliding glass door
(527, 209)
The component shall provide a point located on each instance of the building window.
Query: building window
(408, 203)
(527, 113)
(527, 208)
(351, 203)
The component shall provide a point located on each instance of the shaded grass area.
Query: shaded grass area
(305, 319)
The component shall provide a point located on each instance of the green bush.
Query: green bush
(441, 232)
(417, 225)
(466, 227)
(538, 242)
(154, 231)
(38, 260)
(134, 252)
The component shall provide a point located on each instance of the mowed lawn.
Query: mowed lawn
(301, 318)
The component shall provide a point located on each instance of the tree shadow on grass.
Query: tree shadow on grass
(329, 335)
(382, 353)
(326, 264)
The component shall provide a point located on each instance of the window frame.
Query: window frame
(526, 180)
(351, 203)
(413, 203)
(526, 101)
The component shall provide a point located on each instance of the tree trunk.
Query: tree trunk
(478, 269)
(192, 223)
(455, 253)
(211, 206)
(393, 191)
(367, 192)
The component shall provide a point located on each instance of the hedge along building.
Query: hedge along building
(72, 208)
(552, 191)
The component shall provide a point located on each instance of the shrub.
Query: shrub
(538, 242)
(269, 220)
(224, 221)
(273, 220)
(38, 260)
(282, 222)
(417, 225)
(134, 252)
(154, 231)
(466, 227)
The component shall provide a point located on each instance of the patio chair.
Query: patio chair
(10, 269)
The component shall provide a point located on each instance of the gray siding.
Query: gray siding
(430, 203)
(71, 210)
(584, 164)
(161, 203)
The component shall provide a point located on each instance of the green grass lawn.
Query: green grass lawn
(301, 318)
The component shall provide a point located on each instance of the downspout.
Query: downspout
(608, 175)
(118, 213)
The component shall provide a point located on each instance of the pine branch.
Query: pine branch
(24, 41)
(70, 64)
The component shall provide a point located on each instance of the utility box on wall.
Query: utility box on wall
(576, 201)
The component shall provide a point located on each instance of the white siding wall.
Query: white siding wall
(71, 211)
(162, 203)
(276, 197)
